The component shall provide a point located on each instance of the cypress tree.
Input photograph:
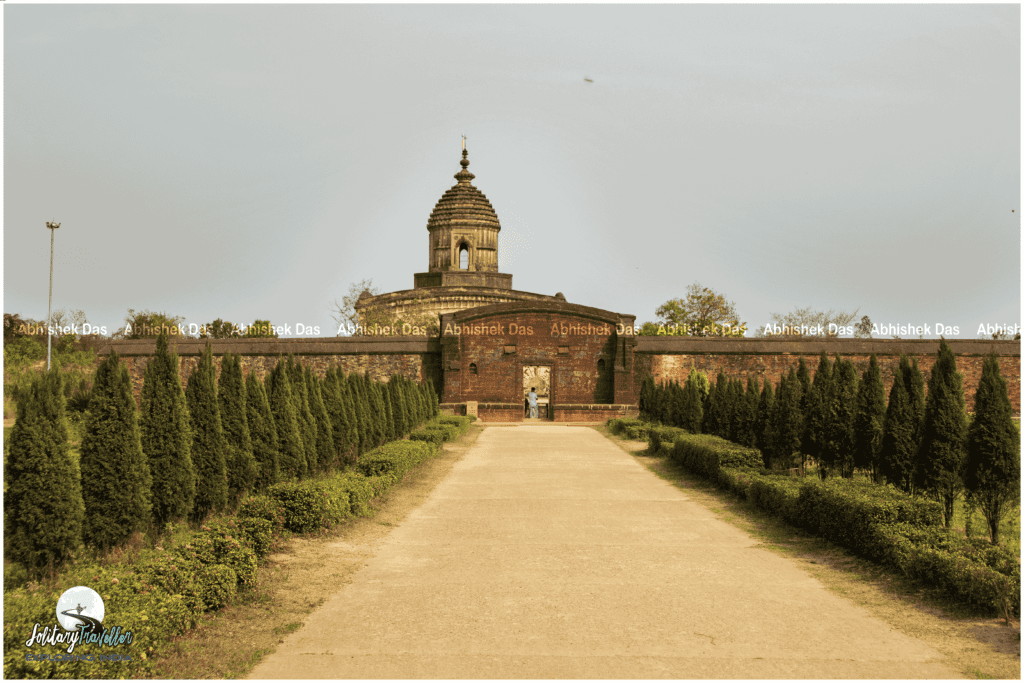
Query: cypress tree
(43, 509)
(869, 423)
(327, 456)
(398, 408)
(232, 398)
(941, 454)
(335, 412)
(209, 447)
(693, 406)
(803, 373)
(897, 461)
(303, 414)
(842, 435)
(646, 399)
(433, 400)
(361, 412)
(348, 408)
(389, 417)
(992, 472)
(291, 452)
(817, 418)
(167, 437)
(377, 410)
(762, 422)
(712, 423)
(263, 433)
(746, 434)
(116, 482)
(785, 422)
(913, 382)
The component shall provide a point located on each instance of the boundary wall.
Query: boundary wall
(665, 358)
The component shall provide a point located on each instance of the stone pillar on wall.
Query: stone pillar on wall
(624, 345)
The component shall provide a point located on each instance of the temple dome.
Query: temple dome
(463, 206)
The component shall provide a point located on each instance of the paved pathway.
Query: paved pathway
(548, 552)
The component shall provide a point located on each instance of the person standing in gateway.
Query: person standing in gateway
(532, 398)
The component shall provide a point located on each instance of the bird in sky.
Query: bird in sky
(588, 80)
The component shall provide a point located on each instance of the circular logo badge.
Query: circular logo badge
(78, 606)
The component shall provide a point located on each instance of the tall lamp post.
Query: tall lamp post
(52, 226)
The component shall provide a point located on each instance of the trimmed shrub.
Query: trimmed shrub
(429, 435)
(307, 506)
(848, 512)
(360, 490)
(265, 508)
(116, 481)
(291, 452)
(460, 422)
(43, 509)
(662, 436)
(258, 533)
(396, 458)
(450, 432)
(619, 424)
(263, 433)
(208, 444)
(699, 448)
(239, 461)
(219, 544)
(166, 437)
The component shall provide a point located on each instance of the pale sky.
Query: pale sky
(251, 161)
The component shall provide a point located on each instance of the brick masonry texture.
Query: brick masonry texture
(578, 380)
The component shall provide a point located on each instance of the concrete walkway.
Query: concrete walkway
(548, 552)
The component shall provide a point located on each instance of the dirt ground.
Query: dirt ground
(978, 646)
(297, 579)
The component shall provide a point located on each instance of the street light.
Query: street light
(52, 226)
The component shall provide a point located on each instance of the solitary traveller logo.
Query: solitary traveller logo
(80, 611)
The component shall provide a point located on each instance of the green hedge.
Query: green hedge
(396, 458)
(972, 570)
(428, 435)
(619, 425)
(706, 454)
(310, 505)
(662, 436)
(880, 523)
(460, 422)
(848, 512)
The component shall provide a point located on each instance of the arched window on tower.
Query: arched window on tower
(463, 257)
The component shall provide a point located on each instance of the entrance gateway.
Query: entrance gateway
(580, 359)
(538, 378)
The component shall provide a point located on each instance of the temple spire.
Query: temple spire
(464, 176)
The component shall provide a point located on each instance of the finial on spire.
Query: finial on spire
(463, 142)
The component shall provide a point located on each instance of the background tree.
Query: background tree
(167, 437)
(864, 328)
(898, 457)
(260, 329)
(43, 509)
(808, 324)
(262, 432)
(208, 443)
(913, 382)
(941, 454)
(291, 452)
(220, 329)
(992, 472)
(702, 313)
(148, 325)
(232, 399)
(869, 421)
(746, 430)
(116, 481)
